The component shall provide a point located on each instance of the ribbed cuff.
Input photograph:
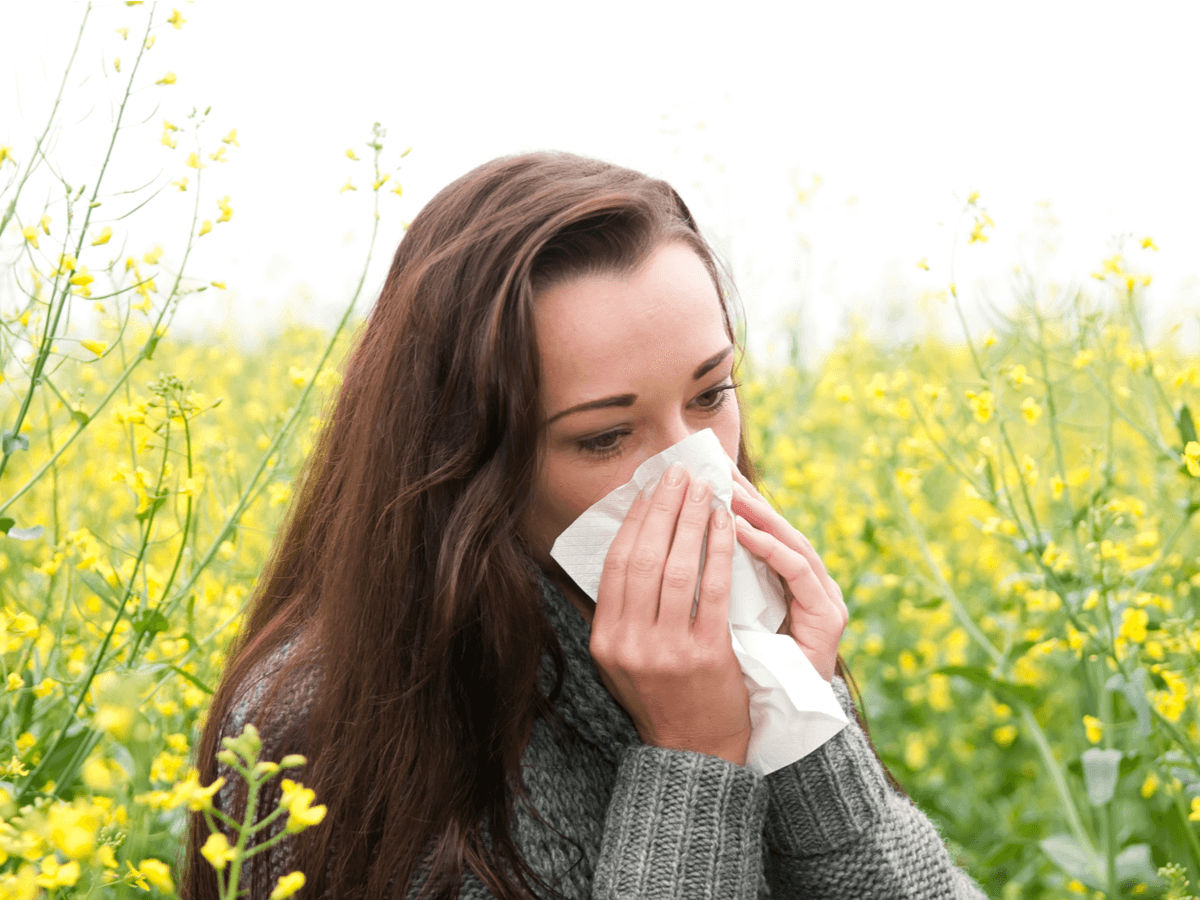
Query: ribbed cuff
(682, 825)
(829, 798)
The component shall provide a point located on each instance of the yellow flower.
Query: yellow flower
(226, 209)
(168, 140)
(296, 799)
(169, 78)
(56, 876)
(97, 347)
(217, 851)
(72, 828)
(923, 263)
(81, 279)
(193, 161)
(1005, 735)
(158, 873)
(348, 186)
(1191, 457)
(1133, 625)
(1083, 359)
(973, 197)
(15, 682)
(981, 405)
(1150, 785)
(218, 155)
(103, 237)
(1030, 410)
(288, 885)
(152, 256)
(1094, 728)
(380, 183)
(205, 226)
(181, 184)
(30, 235)
(218, 284)
(116, 720)
(123, 32)
(176, 18)
(1194, 815)
(398, 190)
(231, 138)
(1148, 243)
(189, 792)
(352, 155)
(45, 224)
(6, 154)
(117, 61)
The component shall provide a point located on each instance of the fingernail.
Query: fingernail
(674, 474)
(720, 518)
(696, 492)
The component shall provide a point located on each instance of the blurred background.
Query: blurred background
(827, 149)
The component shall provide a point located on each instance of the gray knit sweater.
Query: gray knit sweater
(657, 824)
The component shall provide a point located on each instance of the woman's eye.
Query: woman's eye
(715, 398)
(603, 444)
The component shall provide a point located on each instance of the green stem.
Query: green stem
(37, 149)
(1060, 784)
(252, 488)
(64, 299)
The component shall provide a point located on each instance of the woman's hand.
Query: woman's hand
(817, 614)
(677, 677)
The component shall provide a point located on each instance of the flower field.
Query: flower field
(1010, 516)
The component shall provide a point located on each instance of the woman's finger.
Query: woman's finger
(802, 581)
(610, 597)
(752, 506)
(644, 573)
(711, 626)
(682, 569)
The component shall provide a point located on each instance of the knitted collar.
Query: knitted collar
(584, 703)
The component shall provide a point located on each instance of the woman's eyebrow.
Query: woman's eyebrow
(604, 403)
(709, 364)
(626, 400)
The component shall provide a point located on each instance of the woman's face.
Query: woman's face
(631, 365)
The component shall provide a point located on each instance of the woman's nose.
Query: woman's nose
(674, 432)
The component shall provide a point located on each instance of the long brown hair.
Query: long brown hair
(402, 572)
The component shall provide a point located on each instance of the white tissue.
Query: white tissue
(793, 710)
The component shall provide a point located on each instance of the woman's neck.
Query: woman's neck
(573, 592)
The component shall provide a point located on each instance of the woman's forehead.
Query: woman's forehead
(602, 327)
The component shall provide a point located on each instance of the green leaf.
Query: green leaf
(152, 508)
(1100, 771)
(1005, 690)
(22, 534)
(1134, 863)
(193, 679)
(1134, 691)
(99, 587)
(150, 620)
(80, 416)
(1073, 859)
(1187, 428)
(11, 443)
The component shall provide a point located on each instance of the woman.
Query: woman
(469, 717)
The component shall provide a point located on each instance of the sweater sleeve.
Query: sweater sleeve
(835, 828)
(682, 825)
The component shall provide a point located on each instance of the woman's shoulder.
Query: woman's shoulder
(278, 689)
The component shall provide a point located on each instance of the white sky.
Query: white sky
(901, 109)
